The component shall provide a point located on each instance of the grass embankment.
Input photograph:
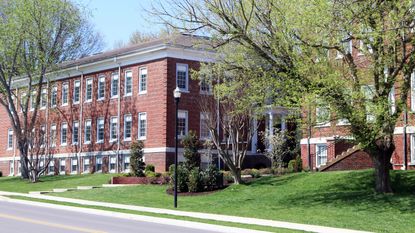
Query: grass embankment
(15, 184)
(336, 199)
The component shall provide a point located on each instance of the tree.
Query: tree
(39, 156)
(136, 159)
(277, 148)
(36, 36)
(360, 86)
(191, 154)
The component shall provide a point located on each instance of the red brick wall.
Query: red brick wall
(356, 161)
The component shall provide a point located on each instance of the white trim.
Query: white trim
(125, 83)
(100, 78)
(116, 131)
(86, 90)
(114, 76)
(186, 89)
(186, 131)
(321, 145)
(144, 115)
(322, 140)
(141, 69)
(99, 141)
(76, 84)
(90, 131)
(131, 127)
(65, 85)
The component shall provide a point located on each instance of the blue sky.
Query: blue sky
(117, 19)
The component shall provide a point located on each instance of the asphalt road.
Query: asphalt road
(21, 218)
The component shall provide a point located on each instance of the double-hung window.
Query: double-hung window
(113, 161)
(322, 113)
(182, 77)
(413, 92)
(99, 164)
(23, 101)
(75, 132)
(74, 165)
(32, 101)
(321, 154)
(86, 165)
(369, 93)
(204, 129)
(62, 165)
(54, 96)
(113, 129)
(182, 123)
(42, 136)
(9, 139)
(51, 167)
(53, 135)
(126, 163)
(43, 98)
(11, 165)
(100, 130)
(101, 88)
(128, 122)
(142, 125)
(65, 93)
(88, 132)
(64, 134)
(205, 87)
(76, 91)
(142, 81)
(128, 85)
(88, 90)
(114, 85)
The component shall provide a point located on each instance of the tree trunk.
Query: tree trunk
(23, 161)
(381, 161)
(237, 179)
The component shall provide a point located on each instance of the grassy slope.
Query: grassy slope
(15, 184)
(338, 199)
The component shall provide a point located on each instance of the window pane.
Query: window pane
(143, 79)
(128, 82)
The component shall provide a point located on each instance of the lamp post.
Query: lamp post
(176, 94)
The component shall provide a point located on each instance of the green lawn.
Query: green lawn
(337, 199)
(15, 184)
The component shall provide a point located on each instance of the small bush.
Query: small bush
(150, 168)
(136, 159)
(255, 173)
(210, 177)
(292, 166)
(191, 148)
(150, 174)
(1, 173)
(227, 176)
(195, 182)
(246, 172)
(280, 170)
(265, 171)
(182, 177)
(299, 163)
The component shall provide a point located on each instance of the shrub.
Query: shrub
(211, 177)
(191, 145)
(150, 167)
(299, 163)
(265, 171)
(280, 170)
(194, 183)
(137, 164)
(182, 177)
(292, 165)
(150, 174)
(227, 176)
(246, 172)
(1, 173)
(255, 173)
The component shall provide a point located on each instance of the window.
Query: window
(88, 131)
(23, 101)
(75, 133)
(114, 85)
(322, 113)
(54, 96)
(51, 167)
(99, 164)
(43, 98)
(101, 88)
(321, 154)
(64, 133)
(76, 91)
(86, 165)
(392, 100)
(128, 122)
(412, 161)
(53, 135)
(205, 87)
(142, 82)
(10, 139)
(113, 128)
(182, 77)
(126, 163)
(413, 92)
(182, 123)
(113, 161)
(42, 136)
(204, 129)
(100, 130)
(65, 89)
(142, 125)
(32, 101)
(62, 165)
(11, 166)
(74, 165)
(369, 92)
(19, 168)
(128, 91)
(88, 90)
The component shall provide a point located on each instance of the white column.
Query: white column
(254, 137)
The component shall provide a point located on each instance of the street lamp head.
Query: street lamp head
(177, 93)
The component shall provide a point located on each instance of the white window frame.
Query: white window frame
(116, 129)
(33, 100)
(186, 114)
(84, 160)
(319, 110)
(43, 139)
(88, 123)
(128, 117)
(19, 168)
(101, 85)
(76, 91)
(114, 76)
(75, 124)
(10, 136)
(44, 99)
(64, 126)
(128, 75)
(204, 92)
(111, 159)
(62, 161)
(203, 117)
(186, 89)
(74, 162)
(142, 71)
(142, 116)
(413, 91)
(98, 160)
(65, 93)
(51, 138)
(89, 81)
(23, 99)
(126, 158)
(317, 155)
(100, 122)
(54, 97)
(51, 164)
(11, 168)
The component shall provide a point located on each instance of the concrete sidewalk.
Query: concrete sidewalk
(216, 217)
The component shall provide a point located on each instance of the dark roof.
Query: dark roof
(177, 40)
